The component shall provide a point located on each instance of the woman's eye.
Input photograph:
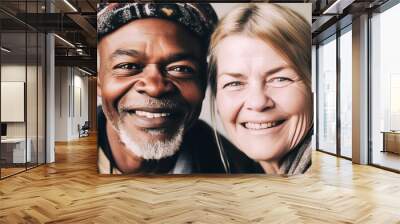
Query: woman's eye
(279, 82)
(233, 85)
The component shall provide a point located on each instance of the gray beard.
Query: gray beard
(151, 150)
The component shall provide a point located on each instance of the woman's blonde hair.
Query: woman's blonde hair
(278, 26)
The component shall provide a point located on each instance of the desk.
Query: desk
(15, 148)
(391, 141)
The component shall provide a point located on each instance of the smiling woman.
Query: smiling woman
(260, 71)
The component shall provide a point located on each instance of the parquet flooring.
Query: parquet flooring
(10, 171)
(71, 191)
(387, 159)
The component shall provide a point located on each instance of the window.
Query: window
(326, 96)
(385, 89)
(346, 92)
(22, 76)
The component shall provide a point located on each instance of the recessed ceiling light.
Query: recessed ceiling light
(70, 5)
(64, 40)
(84, 71)
(337, 7)
(5, 49)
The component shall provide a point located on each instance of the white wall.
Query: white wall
(33, 126)
(79, 117)
(61, 103)
(70, 83)
(13, 73)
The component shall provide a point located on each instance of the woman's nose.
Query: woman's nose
(258, 99)
(153, 82)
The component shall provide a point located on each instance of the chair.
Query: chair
(84, 130)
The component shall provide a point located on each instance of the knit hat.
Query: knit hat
(200, 18)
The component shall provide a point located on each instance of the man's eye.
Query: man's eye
(181, 70)
(128, 66)
(233, 85)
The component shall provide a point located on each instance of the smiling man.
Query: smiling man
(152, 79)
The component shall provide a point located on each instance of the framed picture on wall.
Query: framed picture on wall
(12, 101)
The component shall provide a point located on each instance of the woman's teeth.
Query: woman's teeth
(151, 115)
(257, 126)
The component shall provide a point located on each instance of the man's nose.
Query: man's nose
(258, 99)
(153, 82)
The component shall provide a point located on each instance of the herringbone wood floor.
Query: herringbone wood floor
(71, 191)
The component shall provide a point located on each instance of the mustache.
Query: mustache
(152, 103)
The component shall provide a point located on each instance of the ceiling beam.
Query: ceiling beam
(337, 7)
(89, 30)
(84, 61)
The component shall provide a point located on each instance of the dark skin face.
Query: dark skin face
(150, 82)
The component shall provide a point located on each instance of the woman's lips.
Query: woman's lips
(255, 125)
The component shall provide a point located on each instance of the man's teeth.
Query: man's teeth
(151, 115)
(257, 126)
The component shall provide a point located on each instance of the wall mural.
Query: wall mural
(156, 62)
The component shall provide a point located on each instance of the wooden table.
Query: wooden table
(391, 141)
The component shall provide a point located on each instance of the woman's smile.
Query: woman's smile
(261, 125)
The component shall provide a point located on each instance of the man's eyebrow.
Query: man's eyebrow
(180, 57)
(125, 52)
(173, 57)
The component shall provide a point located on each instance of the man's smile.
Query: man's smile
(154, 118)
(150, 114)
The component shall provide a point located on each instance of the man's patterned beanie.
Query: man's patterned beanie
(200, 18)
